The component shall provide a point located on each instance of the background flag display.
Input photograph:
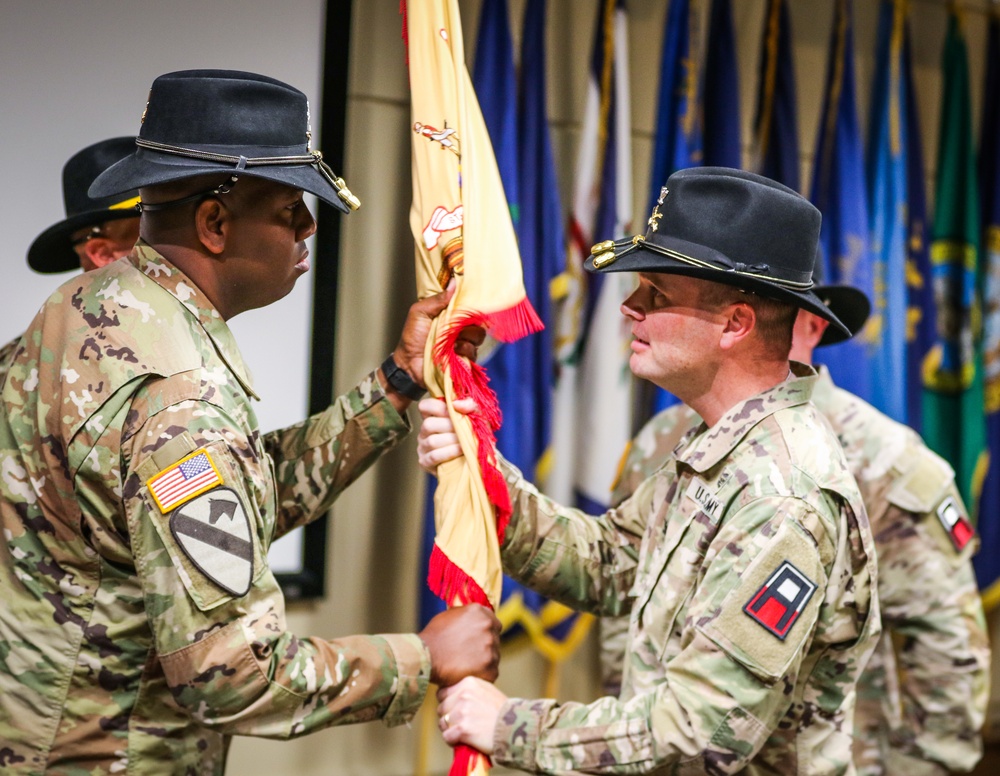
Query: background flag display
(721, 91)
(521, 373)
(920, 292)
(463, 233)
(776, 134)
(838, 191)
(987, 561)
(886, 172)
(677, 143)
(953, 418)
(593, 405)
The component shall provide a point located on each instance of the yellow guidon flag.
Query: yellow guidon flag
(462, 229)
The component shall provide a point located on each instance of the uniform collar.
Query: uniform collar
(823, 390)
(710, 445)
(154, 266)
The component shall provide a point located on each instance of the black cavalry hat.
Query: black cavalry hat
(851, 305)
(52, 250)
(200, 122)
(728, 226)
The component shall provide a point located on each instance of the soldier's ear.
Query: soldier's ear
(212, 221)
(97, 252)
(741, 320)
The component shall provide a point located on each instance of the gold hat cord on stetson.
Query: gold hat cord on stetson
(605, 253)
(314, 158)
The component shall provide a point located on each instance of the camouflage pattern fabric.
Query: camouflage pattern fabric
(126, 643)
(6, 356)
(922, 698)
(747, 566)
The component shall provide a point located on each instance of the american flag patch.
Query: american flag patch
(184, 480)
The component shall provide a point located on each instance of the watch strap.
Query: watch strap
(400, 381)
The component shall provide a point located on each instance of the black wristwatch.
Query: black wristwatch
(400, 381)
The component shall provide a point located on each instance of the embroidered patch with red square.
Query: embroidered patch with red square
(781, 599)
(955, 523)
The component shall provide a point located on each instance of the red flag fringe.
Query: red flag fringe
(464, 758)
(515, 322)
(448, 582)
(406, 34)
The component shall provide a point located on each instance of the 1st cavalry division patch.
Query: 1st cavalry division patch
(781, 599)
(213, 530)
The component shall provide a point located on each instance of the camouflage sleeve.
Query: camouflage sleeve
(214, 608)
(647, 452)
(613, 646)
(6, 356)
(719, 697)
(585, 562)
(931, 605)
(316, 459)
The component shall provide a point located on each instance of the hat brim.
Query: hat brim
(52, 250)
(850, 305)
(637, 258)
(149, 168)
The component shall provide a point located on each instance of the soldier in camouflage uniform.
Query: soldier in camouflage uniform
(94, 232)
(141, 625)
(746, 562)
(922, 698)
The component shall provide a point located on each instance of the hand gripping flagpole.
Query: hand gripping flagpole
(462, 229)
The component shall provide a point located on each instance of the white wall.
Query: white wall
(78, 72)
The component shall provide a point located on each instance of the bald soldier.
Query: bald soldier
(922, 698)
(141, 625)
(746, 563)
(95, 232)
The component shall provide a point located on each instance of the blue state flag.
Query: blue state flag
(677, 143)
(886, 172)
(521, 373)
(721, 91)
(839, 192)
(776, 134)
(920, 314)
(987, 561)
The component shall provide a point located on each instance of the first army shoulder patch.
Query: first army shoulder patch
(780, 600)
(955, 523)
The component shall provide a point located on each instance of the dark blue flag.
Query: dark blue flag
(721, 92)
(987, 561)
(920, 291)
(776, 133)
(839, 192)
(677, 143)
(886, 172)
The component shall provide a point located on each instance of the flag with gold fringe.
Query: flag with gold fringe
(463, 232)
